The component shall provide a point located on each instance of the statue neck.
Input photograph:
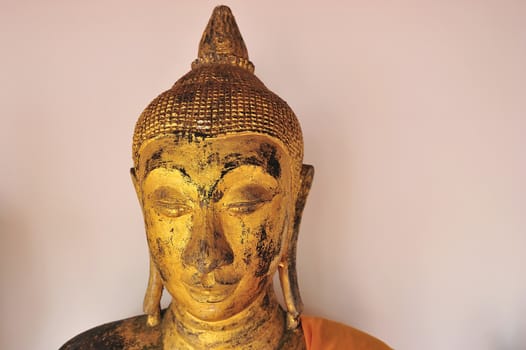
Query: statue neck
(259, 326)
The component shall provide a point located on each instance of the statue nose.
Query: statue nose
(208, 248)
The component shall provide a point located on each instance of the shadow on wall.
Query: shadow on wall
(21, 304)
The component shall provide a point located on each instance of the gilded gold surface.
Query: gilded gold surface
(219, 215)
(219, 176)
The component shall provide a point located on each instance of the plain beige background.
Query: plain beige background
(414, 115)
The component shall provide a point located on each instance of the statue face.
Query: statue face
(217, 214)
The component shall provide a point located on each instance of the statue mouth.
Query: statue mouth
(210, 294)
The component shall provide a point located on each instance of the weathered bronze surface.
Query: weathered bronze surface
(218, 173)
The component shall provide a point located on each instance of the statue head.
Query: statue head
(218, 172)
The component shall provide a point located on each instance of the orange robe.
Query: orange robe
(322, 334)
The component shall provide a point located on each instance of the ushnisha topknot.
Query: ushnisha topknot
(219, 96)
(222, 42)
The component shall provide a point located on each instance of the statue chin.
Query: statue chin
(218, 173)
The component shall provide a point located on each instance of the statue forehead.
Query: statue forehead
(195, 155)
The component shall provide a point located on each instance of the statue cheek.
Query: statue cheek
(267, 249)
(256, 239)
(247, 256)
(166, 239)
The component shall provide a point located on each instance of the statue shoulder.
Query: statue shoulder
(129, 334)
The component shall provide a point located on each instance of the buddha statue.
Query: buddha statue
(217, 167)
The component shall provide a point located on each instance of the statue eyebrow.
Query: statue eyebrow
(152, 164)
(182, 171)
(217, 195)
(234, 160)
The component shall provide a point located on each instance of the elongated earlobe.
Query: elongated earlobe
(152, 298)
(287, 268)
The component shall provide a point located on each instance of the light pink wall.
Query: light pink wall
(414, 115)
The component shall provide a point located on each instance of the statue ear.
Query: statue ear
(135, 182)
(287, 268)
(152, 299)
(306, 177)
(154, 291)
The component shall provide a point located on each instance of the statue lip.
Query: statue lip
(210, 294)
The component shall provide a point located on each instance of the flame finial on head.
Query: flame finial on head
(222, 42)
